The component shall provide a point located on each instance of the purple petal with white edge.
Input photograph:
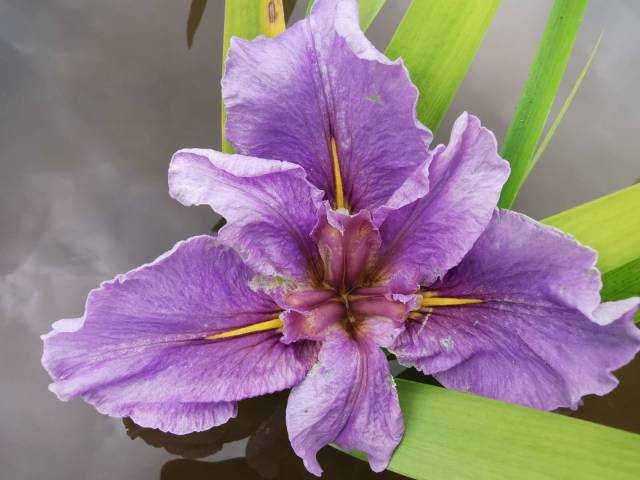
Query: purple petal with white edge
(348, 398)
(287, 97)
(140, 349)
(541, 337)
(426, 238)
(269, 206)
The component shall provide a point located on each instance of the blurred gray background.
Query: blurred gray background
(94, 99)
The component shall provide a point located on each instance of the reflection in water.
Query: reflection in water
(268, 453)
(618, 409)
(337, 465)
(252, 413)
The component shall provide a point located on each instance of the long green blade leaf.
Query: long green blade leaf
(563, 110)
(458, 435)
(437, 40)
(368, 10)
(248, 19)
(610, 225)
(539, 92)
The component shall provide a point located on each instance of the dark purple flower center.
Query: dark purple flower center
(344, 290)
(325, 308)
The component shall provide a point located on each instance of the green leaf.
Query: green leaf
(197, 10)
(457, 435)
(368, 10)
(610, 225)
(248, 19)
(563, 110)
(437, 41)
(622, 282)
(539, 92)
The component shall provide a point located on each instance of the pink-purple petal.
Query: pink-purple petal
(178, 418)
(287, 97)
(348, 398)
(347, 244)
(541, 338)
(140, 349)
(423, 240)
(269, 206)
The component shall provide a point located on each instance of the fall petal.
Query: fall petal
(141, 349)
(540, 336)
(348, 398)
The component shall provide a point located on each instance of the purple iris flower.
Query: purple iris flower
(345, 235)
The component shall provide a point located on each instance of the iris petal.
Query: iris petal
(322, 82)
(540, 337)
(140, 349)
(269, 206)
(349, 398)
(424, 239)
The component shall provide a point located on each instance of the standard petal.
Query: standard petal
(348, 398)
(269, 206)
(426, 238)
(288, 97)
(141, 349)
(348, 246)
(540, 337)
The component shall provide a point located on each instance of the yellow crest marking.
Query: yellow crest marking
(273, 324)
(428, 302)
(337, 175)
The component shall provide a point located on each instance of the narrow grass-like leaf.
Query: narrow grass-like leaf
(462, 436)
(563, 110)
(248, 19)
(539, 92)
(437, 40)
(195, 15)
(610, 225)
(368, 10)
